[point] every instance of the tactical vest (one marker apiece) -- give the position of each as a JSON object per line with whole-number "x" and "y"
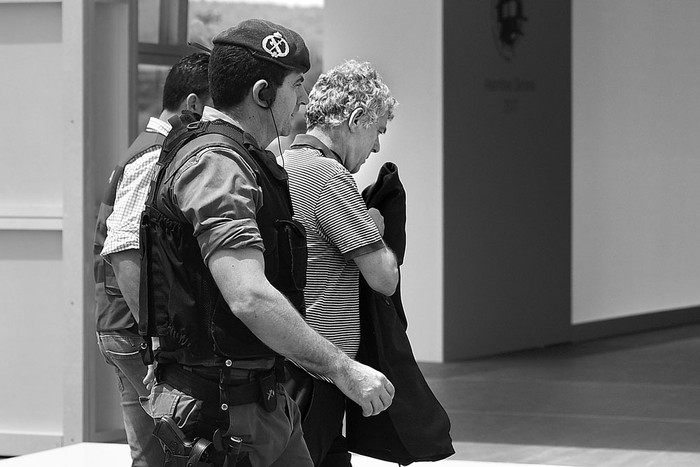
{"x": 180, "y": 302}
{"x": 111, "y": 310}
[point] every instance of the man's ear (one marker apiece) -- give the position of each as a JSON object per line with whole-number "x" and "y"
{"x": 262, "y": 94}
{"x": 354, "y": 120}
{"x": 194, "y": 104}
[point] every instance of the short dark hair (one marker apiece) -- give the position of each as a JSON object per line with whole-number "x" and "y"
{"x": 233, "y": 71}
{"x": 187, "y": 76}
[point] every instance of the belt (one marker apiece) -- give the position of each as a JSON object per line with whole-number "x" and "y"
{"x": 206, "y": 390}
{"x": 262, "y": 389}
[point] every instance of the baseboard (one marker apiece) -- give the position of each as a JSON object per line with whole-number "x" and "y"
{"x": 17, "y": 444}
{"x": 634, "y": 324}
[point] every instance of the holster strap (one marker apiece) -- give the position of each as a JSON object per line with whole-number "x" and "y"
{"x": 198, "y": 451}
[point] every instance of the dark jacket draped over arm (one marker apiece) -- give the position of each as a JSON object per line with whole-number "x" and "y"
{"x": 415, "y": 427}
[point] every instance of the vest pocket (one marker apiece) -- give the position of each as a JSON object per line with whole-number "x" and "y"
{"x": 292, "y": 254}
{"x": 111, "y": 285}
{"x": 271, "y": 254}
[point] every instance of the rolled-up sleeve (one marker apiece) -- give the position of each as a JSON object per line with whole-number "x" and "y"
{"x": 217, "y": 193}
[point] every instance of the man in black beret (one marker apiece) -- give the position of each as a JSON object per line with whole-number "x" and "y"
{"x": 224, "y": 267}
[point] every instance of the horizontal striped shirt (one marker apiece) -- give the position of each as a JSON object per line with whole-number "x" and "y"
{"x": 338, "y": 227}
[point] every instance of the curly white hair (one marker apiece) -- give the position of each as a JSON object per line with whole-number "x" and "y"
{"x": 341, "y": 90}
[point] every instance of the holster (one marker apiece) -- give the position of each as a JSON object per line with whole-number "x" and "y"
{"x": 223, "y": 451}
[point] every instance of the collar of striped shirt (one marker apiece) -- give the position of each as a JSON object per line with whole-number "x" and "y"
{"x": 304, "y": 140}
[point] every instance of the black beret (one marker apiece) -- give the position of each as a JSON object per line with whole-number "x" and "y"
{"x": 268, "y": 41}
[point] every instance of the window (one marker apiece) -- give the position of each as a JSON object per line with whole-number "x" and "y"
{"x": 165, "y": 26}
{"x": 162, "y": 40}
{"x": 151, "y": 79}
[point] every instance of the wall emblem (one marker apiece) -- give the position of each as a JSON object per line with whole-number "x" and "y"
{"x": 508, "y": 19}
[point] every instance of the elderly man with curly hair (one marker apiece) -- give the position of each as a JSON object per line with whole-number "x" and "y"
{"x": 349, "y": 108}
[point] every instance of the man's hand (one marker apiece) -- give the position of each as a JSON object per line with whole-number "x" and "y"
{"x": 378, "y": 219}
{"x": 150, "y": 377}
{"x": 127, "y": 267}
{"x": 367, "y": 387}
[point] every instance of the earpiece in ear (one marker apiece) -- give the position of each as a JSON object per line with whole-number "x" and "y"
{"x": 266, "y": 96}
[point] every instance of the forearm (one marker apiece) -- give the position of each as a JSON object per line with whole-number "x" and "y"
{"x": 127, "y": 268}
{"x": 380, "y": 270}
{"x": 274, "y": 321}
{"x": 281, "y": 327}
{"x": 269, "y": 315}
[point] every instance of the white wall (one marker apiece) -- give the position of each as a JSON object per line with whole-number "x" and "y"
{"x": 636, "y": 157}
{"x": 30, "y": 46}
{"x": 31, "y": 339}
{"x": 403, "y": 40}
{"x": 55, "y": 388}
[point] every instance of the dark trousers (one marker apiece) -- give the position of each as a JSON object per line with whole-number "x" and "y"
{"x": 322, "y": 407}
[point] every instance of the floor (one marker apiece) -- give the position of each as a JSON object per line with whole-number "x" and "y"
{"x": 627, "y": 401}
{"x": 117, "y": 455}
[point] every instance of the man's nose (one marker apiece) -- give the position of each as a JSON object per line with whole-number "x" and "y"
{"x": 302, "y": 96}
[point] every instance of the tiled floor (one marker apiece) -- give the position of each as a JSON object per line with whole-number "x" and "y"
{"x": 628, "y": 401}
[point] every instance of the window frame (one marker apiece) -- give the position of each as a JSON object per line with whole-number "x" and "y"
{"x": 171, "y": 46}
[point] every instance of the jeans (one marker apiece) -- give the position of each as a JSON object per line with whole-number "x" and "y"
{"x": 120, "y": 349}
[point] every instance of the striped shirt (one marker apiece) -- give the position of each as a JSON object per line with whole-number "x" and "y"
{"x": 132, "y": 190}
{"x": 338, "y": 227}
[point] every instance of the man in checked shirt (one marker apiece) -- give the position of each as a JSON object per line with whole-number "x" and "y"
{"x": 116, "y": 253}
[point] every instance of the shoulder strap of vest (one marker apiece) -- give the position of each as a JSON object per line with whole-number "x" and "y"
{"x": 184, "y": 135}
{"x": 250, "y": 152}
{"x": 144, "y": 142}
{"x": 201, "y": 130}
{"x": 149, "y": 139}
